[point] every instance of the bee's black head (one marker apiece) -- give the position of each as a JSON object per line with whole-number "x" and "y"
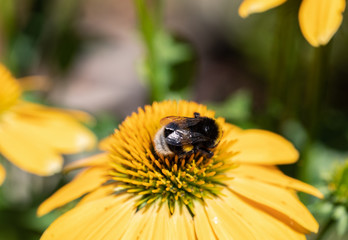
{"x": 207, "y": 127}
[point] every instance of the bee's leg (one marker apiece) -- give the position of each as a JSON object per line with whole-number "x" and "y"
{"x": 196, "y": 114}
{"x": 186, "y": 154}
{"x": 205, "y": 153}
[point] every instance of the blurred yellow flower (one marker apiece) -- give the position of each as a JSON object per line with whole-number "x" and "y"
{"x": 319, "y": 19}
{"x": 33, "y": 136}
{"x": 131, "y": 193}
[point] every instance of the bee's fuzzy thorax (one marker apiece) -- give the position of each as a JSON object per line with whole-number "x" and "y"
{"x": 160, "y": 145}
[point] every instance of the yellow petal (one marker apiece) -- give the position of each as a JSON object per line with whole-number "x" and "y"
{"x": 265, "y": 225}
{"x": 157, "y": 226}
{"x": 98, "y": 160}
{"x": 100, "y": 192}
{"x": 227, "y": 224}
{"x": 181, "y": 224}
{"x": 320, "y": 19}
{"x": 203, "y": 228}
{"x": 157, "y": 223}
{"x": 254, "y": 6}
{"x": 263, "y": 147}
{"x": 278, "y": 202}
{"x": 86, "y": 181}
{"x": 272, "y": 175}
{"x": 105, "y": 144}
{"x": 106, "y": 218}
{"x": 139, "y": 220}
{"x": 56, "y": 129}
{"x": 28, "y": 154}
{"x": 10, "y": 89}
{"x": 112, "y": 223}
{"x": 2, "y": 174}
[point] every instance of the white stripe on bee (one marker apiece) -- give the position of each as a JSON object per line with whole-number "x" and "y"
{"x": 160, "y": 144}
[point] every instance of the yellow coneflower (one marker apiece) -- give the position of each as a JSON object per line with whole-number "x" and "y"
{"x": 319, "y": 19}
{"x": 129, "y": 192}
{"x": 33, "y": 136}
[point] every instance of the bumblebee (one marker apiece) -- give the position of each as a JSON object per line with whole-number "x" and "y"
{"x": 184, "y": 136}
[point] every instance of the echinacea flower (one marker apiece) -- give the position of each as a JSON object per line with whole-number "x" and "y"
{"x": 129, "y": 192}
{"x": 33, "y": 136}
{"x": 319, "y": 19}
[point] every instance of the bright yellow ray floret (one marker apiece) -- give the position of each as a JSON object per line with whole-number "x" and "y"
{"x": 129, "y": 192}
{"x": 33, "y": 136}
{"x": 319, "y": 19}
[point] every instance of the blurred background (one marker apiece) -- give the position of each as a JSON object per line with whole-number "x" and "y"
{"x": 109, "y": 57}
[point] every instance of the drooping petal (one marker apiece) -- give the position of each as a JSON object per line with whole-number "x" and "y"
{"x": 106, "y": 218}
{"x": 181, "y": 223}
{"x": 262, "y": 147}
{"x": 139, "y": 220}
{"x": 158, "y": 226}
{"x": 100, "y": 192}
{"x": 254, "y": 6}
{"x": 278, "y": 202}
{"x": 56, "y": 129}
{"x": 222, "y": 220}
{"x": 272, "y": 175}
{"x": 84, "y": 182}
{"x": 203, "y": 228}
{"x": 2, "y": 174}
{"x": 112, "y": 224}
{"x": 29, "y": 155}
{"x": 320, "y": 19}
{"x": 265, "y": 225}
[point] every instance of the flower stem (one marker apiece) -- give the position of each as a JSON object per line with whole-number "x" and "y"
{"x": 314, "y": 103}
{"x": 150, "y": 24}
{"x": 283, "y": 81}
{"x": 315, "y": 87}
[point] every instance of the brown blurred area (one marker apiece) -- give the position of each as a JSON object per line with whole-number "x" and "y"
{"x": 104, "y": 76}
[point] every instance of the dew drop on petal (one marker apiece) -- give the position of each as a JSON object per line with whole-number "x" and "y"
{"x": 216, "y": 220}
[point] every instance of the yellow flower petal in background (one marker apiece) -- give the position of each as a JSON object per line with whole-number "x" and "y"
{"x": 2, "y": 174}
{"x": 10, "y": 90}
{"x": 33, "y": 136}
{"x": 69, "y": 135}
{"x": 137, "y": 194}
{"x": 263, "y": 147}
{"x": 28, "y": 154}
{"x": 320, "y": 19}
{"x": 254, "y": 6}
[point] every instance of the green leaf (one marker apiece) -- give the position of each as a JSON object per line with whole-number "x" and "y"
{"x": 342, "y": 225}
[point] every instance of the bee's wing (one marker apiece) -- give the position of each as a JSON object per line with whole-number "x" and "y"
{"x": 179, "y": 137}
{"x": 181, "y": 121}
{"x": 185, "y": 137}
